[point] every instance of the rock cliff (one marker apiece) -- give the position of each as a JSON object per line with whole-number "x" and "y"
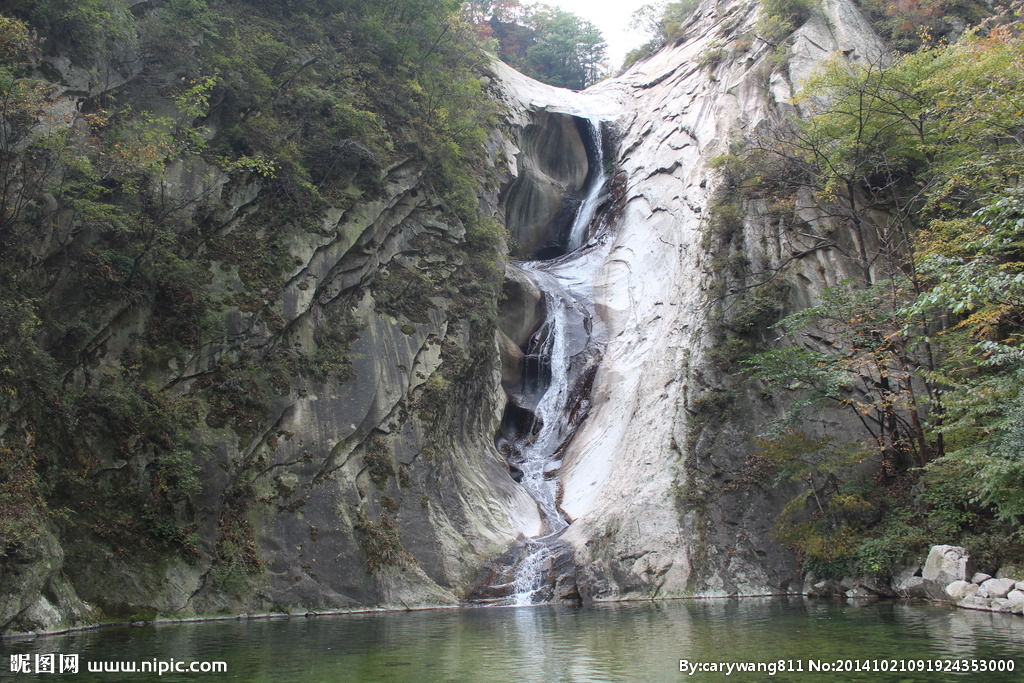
{"x": 657, "y": 480}
{"x": 377, "y": 482}
{"x": 340, "y": 406}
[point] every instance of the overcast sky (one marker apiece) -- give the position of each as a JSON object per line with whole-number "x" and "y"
{"x": 612, "y": 17}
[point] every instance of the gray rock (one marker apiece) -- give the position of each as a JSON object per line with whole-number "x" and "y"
{"x": 913, "y": 587}
{"x": 1010, "y": 572}
{"x": 975, "y": 602}
{"x": 522, "y": 306}
{"x": 552, "y": 169}
{"x": 860, "y": 593}
{"x": 821, "y": 588}
{"x": 945, "y": 564}
{"x": 1000, "y": 605}
{"x": 908, "y": 583}
{"x": 511, "y": 361}
{"x": 1016, "y": 600}
{"x": 980, "y": 578}
{"x": 998, "y": 588}
{"x": 957, "y": 590}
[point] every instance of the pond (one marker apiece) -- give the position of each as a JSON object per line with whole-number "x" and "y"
{"x": 789, "y": 639}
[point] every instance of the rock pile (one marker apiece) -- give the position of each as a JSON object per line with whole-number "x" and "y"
{"x": 945, "y": 578}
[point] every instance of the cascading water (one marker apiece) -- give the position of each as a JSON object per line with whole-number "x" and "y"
{"x": 588, "y": 208}
{"x": 564, "y": 349}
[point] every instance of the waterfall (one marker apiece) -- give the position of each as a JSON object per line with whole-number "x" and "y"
{"x": 564, "y": 345}
{"x": 588, "y": 208}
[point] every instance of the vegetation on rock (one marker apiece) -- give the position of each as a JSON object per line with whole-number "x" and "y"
{"x": 163, "y": 167}
{"x": 919, "y": 159}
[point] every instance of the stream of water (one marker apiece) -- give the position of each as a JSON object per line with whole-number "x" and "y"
{"x": 564, "y": 346}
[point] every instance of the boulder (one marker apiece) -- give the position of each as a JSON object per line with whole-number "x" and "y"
{"x": 975, "y": 602}
{"x": 1000, "y": 605}
{"x": 957, "y": 590}
{"x": 1016, "y": 600}
{"x": 945, "y": 564}
{"x": 980, "y": 577}
{"x": 998, "y": 588}
{"x": 821, "y": 588}
{"x": 522, "y": 306}
{"x": 861, "y": 593}
{"x": 907, "y": 582}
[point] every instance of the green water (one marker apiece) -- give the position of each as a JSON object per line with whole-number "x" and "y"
{"x": 612, "y": 642}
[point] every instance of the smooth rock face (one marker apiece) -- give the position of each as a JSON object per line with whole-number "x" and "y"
{"x": 522, "y": 307}
{"x": 552, "y": 169}
{"x": 945, "y": 564}
{"x": 980, "y": 577}
{"x": 649, "y": 479}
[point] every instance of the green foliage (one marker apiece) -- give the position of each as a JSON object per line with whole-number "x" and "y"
{"x": 22, "y": 507}
{"x": 333, "y": 336}
{"x": 838, "y": 523}
{"x": 237, "y": 556}
{"x": 896, "y": 541}
{"x": 81, "y": 28}
{"x": 378, "y": 463}
{"x": 546, "y": 43}
{"x": 433, "y": 400}
{"x": 380, "y": 543}
{"x": 925, "y": 348}
{"x": 664, "y": 22}
{"x": 779, "y": 18}
{"x": 135, "y": 304}
{"x": 910, "y": 24}
{"x": 406, "y": 292}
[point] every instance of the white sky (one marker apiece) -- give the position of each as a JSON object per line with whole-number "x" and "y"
{"x": 613, "y": 18}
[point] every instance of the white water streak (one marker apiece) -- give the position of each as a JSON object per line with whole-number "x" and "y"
{"x": 530, "y": 574}
{"x": 588, "y": 208}
{"x": 535, "y": 457}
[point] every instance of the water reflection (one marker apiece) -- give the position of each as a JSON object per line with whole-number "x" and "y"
{"x": 619, "y": 642}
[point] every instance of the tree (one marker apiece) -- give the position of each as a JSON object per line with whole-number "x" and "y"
{"x": 663, "y": 22}
{"x": 920, "y": 160}
{"x": 567, "y": 51}
{"x": 546, "y": 43}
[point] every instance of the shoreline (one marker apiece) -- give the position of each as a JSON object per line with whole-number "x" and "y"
{"x": 284, "y": 616}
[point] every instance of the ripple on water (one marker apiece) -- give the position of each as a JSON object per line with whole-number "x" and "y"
{"x": 610, "y": 642}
